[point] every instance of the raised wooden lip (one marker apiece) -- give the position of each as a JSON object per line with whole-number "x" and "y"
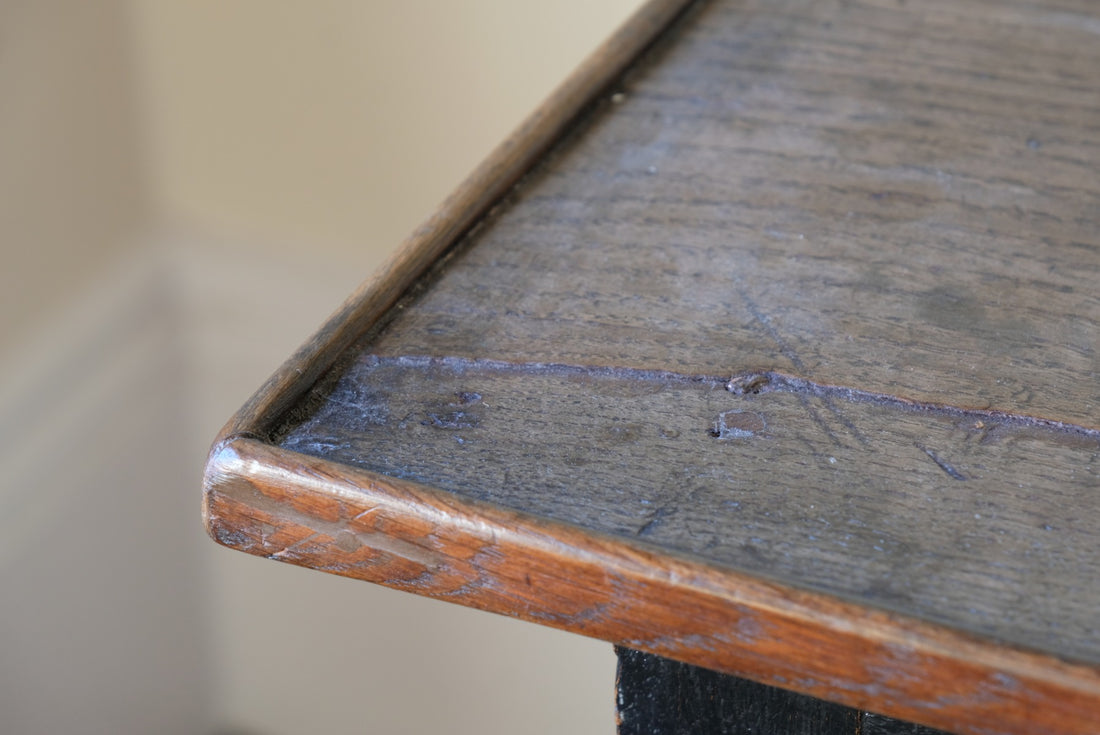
{"x": 619, "y": 590}
{"x": 319, "y": 514}
{"x": 481, "y": 190}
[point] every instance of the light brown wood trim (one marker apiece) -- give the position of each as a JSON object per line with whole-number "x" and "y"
{"x": 460, "y": 211}
{"x": 321, "y": 515}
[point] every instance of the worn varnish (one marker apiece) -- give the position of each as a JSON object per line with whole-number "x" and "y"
{"x": 781, "y": 361}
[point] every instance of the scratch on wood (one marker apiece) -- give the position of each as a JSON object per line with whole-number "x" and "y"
{"x": 791, "y": 354}
{"x": 347, "y": 535}
{"x": 762, "y": 382}
{"x": 762, "y": 319}
{"x": 654, "y": 519}
{"x": 816, "y": 418}
{"x": 842, "y": 418}
{"x": 461, "y": 365}
{"x": 943, "y": 464}
{"x": 288, "y": 550}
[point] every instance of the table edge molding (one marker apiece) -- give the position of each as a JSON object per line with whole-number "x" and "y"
{"x": 270, "y": 502}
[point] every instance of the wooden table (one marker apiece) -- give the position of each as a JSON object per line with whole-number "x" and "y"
{"x": 769, "y": 344}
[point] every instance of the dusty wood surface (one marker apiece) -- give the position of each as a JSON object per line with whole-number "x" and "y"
{"x": 810, "y": 295}
{"x": 656, "y": 696}
{"x": 979, "y": 522}
{"x": 901, "y": 198}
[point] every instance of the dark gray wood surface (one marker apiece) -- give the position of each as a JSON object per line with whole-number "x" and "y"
{"x": 882, "y": 221}
{"x": 959, "y": 518}
{"x": 656, "y": 696}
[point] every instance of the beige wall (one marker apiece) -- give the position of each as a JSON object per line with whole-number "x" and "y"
{"x": 294, "y": 146}
{"x": 71, "y": 176}
{"x": 186, "y": 189}
{"x": 100, "y": 613}
{"x": 336, "y": 126}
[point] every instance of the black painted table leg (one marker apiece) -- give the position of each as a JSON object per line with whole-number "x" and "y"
{"x": 657, "y": 696}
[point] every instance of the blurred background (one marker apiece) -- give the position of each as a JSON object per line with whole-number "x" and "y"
{"x": 187, "y": 189}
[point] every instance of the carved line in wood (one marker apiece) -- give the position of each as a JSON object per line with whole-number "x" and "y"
{"x": 746, "y": 382}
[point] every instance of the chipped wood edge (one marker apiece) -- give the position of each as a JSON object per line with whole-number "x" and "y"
{"x": 306, "y": 511}
{"x": 459, "y": 212}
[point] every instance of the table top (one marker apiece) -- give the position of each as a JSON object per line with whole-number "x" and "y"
{"x": 770, "y": 345}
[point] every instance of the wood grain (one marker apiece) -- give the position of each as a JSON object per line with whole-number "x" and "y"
{"x": 780, "y": 359}
{"x": 793, "y": 187}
